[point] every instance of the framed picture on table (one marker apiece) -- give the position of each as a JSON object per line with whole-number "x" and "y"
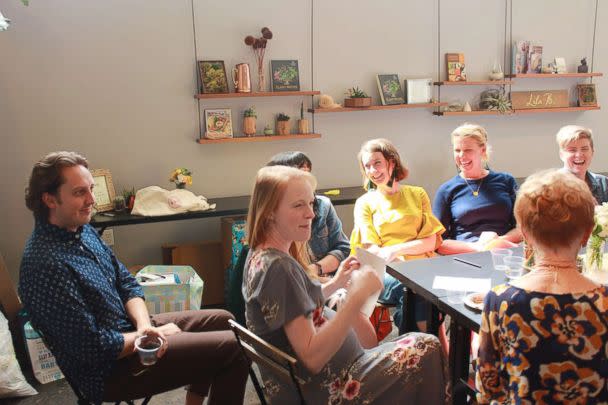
{"x": 104, "y": 190}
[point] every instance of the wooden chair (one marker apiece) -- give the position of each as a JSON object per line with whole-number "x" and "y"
{"x": 269, "y": 357}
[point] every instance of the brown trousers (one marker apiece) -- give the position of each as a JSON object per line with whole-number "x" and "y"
{"x": 204, "y": 355}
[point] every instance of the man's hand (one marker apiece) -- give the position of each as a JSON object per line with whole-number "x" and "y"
{"x": 162, "y": 332}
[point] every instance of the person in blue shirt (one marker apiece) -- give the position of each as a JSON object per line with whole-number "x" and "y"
{"x": 576, "y": 151}
{"x": 476, "y": 205}
{"x": 90, "y": 309}
{"x": 328, "y": 243}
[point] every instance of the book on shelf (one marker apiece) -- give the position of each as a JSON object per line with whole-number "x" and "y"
{"x": 535, "y": 59}
{"x": 390, "y": 90}
{"x": 218, "y": 123}
{"x": 520, "y": 56}
{"x": 284, "y": 75}
{"x": 455, "y": 67}
{"x": 418, "y": 91}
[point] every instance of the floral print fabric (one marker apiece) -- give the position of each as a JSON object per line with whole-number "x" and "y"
{"x": 539, "y": 348}
{"x": 410, "y": 369}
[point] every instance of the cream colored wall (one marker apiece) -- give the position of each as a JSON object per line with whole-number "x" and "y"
{"x": 114, "y": 80}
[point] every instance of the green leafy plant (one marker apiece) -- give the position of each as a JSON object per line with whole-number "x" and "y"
{"x": 128, "y": 193}
{"x": 356, "y": 92}
{"x": 250, "y": 112}
{"x": 282, "y": 117}
{"x": 495, "y": 99}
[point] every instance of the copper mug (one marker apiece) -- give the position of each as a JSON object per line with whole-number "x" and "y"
{"x": 241, "y": 78}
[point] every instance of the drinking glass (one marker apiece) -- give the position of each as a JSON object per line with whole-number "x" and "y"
{"x": 515, "y": 266}
{"x": 498, "y": 257}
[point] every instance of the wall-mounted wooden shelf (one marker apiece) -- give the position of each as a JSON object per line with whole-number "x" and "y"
{"x": 258, "y": 138}
{"x": 554, "y": 110}
{"x": 553, "y": 75}
{"x": 259, "y": 94}
{"x": 518, "y": 111}
{"x": 475, "y": 83}
{"x": 376, "y": 107}
{"x": 478, "y": 112}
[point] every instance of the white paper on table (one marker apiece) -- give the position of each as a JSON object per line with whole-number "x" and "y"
{"x": 377, "y": 263}
{"x": 462, "y": 284}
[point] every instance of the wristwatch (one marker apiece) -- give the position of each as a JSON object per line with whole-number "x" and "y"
{"x": 319, "y": 268}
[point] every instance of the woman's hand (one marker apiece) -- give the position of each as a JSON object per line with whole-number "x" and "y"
{"x": 387, "y": 253}
{"x": 364, "y": 283}
{"x": 345, "y": 271}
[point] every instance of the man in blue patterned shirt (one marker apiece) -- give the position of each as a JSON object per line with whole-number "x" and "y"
{"x": 90, "y": 309}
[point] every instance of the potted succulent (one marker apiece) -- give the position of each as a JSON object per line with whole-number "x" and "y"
{"x": 129, "y": 196}
{"x": 249, "y": 117}
{"x": 302, "y": 122}
{"x": 283, "y": 124}
{"x": 268, "y": 130}
{"x": 357, "y": 98}
{"x": 495, "y": 99}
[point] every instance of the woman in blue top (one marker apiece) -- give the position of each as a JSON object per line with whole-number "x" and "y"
{"x": 476, "y": 205}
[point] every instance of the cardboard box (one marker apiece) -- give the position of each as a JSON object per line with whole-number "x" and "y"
{"x": 206, "y": 259}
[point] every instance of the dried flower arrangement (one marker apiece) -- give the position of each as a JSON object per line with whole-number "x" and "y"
{"x": 258, "y": 45}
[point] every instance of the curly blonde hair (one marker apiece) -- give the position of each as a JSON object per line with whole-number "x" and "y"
{"x": 555, "y": 208}
{"x": 389, "y": 151}
{"x": 476, "y": 132}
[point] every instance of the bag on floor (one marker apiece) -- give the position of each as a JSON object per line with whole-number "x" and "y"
{"x": 381, "y": 320}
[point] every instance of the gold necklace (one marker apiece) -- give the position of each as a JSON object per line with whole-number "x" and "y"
{"x": 475, "y": 192}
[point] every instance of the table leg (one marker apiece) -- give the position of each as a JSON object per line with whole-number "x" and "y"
{"x": 432, "y": 319}
{"x": 460, "y": 347}
{"x": 408, "y": 320}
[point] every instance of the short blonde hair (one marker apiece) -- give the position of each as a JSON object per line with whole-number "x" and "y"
{"x": 571, "y": 133}
{"x": 269, "y": 187}
{"x": 555, "y": 208}
{"x": 475, "y": 131}
{"x": 389, "y": 151}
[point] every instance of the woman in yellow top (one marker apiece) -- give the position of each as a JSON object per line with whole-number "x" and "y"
{"x": 393, "y": 221}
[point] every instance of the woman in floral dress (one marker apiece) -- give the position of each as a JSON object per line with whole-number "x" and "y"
{"x": 284, "y": 306}
{"x": 544, "y": 337}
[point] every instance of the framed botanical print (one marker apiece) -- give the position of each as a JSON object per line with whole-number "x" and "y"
{"x": 104, "y": 190}
{"x": 218, "y": 123}
{"x": 586, "y": 95}
{"x": 213, "y": 76}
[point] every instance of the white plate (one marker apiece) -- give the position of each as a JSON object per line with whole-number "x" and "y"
{"x": 470, "y": 300}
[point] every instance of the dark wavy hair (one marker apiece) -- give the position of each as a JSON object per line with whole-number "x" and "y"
{"x": 292, "y": 159}
{"x": 389, "y": 151}
{"x": 47, "y": 177}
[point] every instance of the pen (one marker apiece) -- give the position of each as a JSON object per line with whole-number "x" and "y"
{"x": 467, "y": 262}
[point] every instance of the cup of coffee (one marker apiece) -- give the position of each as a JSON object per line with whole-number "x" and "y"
{"x": 147, "y": 348}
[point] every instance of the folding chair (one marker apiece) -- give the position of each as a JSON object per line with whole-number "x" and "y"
{"x": 268, "y": 356}
{"x": 82, "y": 400}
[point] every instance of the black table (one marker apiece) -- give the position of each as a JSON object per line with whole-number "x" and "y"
{"x": 418, "y": 276}
{"x": 225, "y": 206}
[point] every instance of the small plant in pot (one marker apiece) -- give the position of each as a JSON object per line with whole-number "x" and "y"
{"x": 357, "y": 98}
{"x": 495, "y": 99}
{"x": 249, "y": 117}
{"x": 283, "y": 124}
{"x": 302, "y": 122}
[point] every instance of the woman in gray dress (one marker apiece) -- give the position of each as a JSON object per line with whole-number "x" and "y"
{"x": 284, "y": 306}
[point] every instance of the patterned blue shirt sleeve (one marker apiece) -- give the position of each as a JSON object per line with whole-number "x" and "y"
{"x": 338, "y": 242}
{"x": 65, "y": 320}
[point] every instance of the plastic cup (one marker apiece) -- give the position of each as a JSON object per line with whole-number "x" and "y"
{"x": 515, "y": 266}
{"x": 147, "y": 348}
{"x": 455, "y": 297}
{"x": 498, "y": 257}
